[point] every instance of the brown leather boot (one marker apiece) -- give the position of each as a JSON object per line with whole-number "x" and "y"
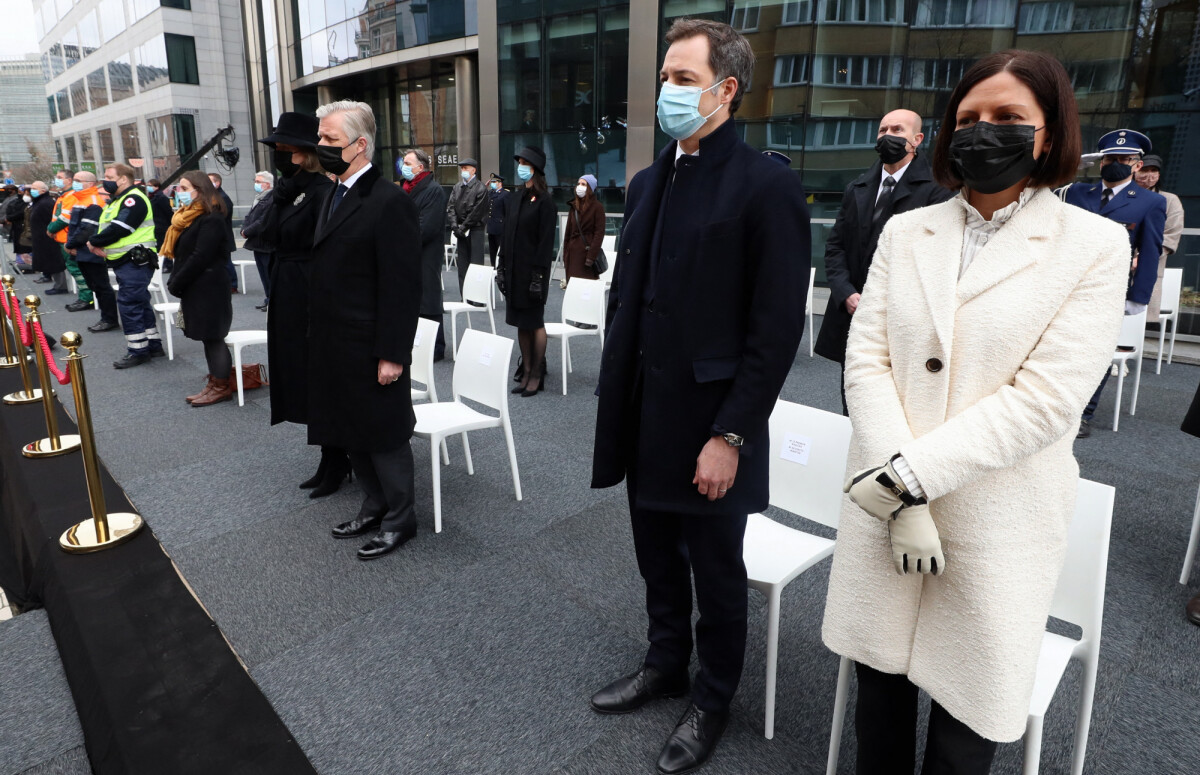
{"x": 207, "y": 387}
{"x": 221, "y": 390}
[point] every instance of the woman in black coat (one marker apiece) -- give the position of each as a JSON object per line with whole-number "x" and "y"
{"x": 526, "y": 254}
{"x": 196, "y": 242}
{"x": 291, "y": 222}
{"x": 47, "y": 256}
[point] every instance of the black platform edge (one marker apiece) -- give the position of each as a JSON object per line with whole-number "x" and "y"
{"x": 157, "y": 687}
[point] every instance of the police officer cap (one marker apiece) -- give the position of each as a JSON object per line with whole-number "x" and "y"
{"x": 1123, "y": 142}
{"x": 779, "y": 157}
{"x": 1152, "y": 160}
{"x": 494, "y": 176}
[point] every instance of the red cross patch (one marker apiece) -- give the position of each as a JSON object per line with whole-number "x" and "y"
{"x": 129, "y": 202}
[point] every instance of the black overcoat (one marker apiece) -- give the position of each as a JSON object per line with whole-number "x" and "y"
{"x": 198, "y": 278}
{"x": 364, "y": 299}
{"x": 291, "y": 226}
{"x": 430, "y": 199}
{"x": 710, "y": 349}
{"x": 47, "y": 254}
{"x": 527, "y": 245}
{"x": 851, "y": 243}
{"x": 160, "y": 206}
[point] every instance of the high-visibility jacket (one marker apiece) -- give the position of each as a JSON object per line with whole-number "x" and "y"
{"x": 141, "y": 233}
{"x": 62, "y": 216}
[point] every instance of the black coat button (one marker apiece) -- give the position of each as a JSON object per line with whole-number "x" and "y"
{"x": 934, "y": 365}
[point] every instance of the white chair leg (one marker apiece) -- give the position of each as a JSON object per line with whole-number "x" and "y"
{"x": 811, "y": 335}
{"x": 1120, "y": 389}
{"x": 1193, "y": 542}
{"x": 467, "y": 452}
{"x": 1174, "y": 328}
{"x": 1162, "y": 331}
{"x": 1033, "y": 745}
{"x": 512, "y": 457}
{"x": 1083, "y": 722}
{"x": 563, "y": 359}
{"x": 492, "y": 316}
{"x": 168, "y": 326}
{"x": 1137, "y": 383}
{"x": 772, "y": 659}
{"x": 839, "y": 715}
{"x": 237, "y": 373}
{"x": 454, "y": 335}
{"x": 567, "y": 344}
{"x": 445, "y": 453}
{"x": 437, "y": 485}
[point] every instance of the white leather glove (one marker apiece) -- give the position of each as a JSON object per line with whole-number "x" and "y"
{"x": 916, "y": 547}
{"x": 879, "y": 491}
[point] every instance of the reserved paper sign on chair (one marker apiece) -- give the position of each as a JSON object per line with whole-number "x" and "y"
{"x": 485, "y": 356}
{"x": 796, "y": 448}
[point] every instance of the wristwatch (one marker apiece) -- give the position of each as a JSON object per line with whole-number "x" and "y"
{"x": 733, "y": 440}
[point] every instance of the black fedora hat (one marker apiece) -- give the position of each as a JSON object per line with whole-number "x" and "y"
{"x": 298, "y": 129}
{"x": 534, "y": 156}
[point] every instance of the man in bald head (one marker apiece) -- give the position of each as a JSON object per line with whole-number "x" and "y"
{"x": 899, "y": 181}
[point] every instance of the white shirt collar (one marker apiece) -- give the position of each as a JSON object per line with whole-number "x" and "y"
{"x": 1119, "y": 187}
{"x": 350, "y": 181}
{"x": 679, "y": 152}
{"x": 884, "y": 174}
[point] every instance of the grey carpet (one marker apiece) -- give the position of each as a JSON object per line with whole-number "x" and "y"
{"x": 475, "y": 650}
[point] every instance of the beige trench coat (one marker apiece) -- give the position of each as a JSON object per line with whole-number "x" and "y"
{"x": 979, "y": 382}
{"x": 1172, "y": 233}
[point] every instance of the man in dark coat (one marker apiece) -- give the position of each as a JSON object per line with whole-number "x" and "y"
{"x": 254, "y": 227}
{"x": 430, "y": 200}
{"x": 498, "y": 201}
{"x": 365, "y": 297}
{"x": 466, "y": 213}
{"x": 705, "y": 317}
{"x": 900, "y": 181}
{"x": 231, "y": 243}
{"x": 47, "y": 256}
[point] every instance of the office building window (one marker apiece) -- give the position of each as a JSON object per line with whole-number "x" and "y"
{"x": 107, "y": 154}
{"x": 152, "y": 64}
{"x": 120, "y": 78}
{"x": 70, "y": 47}
{"x": 50, "y": 107}
{"x": 797, "y": 11}
{"x": 183, "y": 5}
{"x": 56, "y": 60}
{"x": 79, "y": 97}
{"x": 965, "y": 13}
{"x": 861, "y": 11}
{"x": 1066, "y": 16}
{"x": 140, "y": 9}
{"x": 89, "y": 34}
{"x": 840, "y": 133}
{"x": 97, "y": 88}
{"x": 520, "y": 77}
{"x": 745, "y": 15}
{"x": 172, "y": 138}
{"x": 791, "y": 69}
{"x": 63, "y": 101}
{"x": 936, "y": 74}
{"x": 1093, "y": 77}
{"x": 49, "y": 19}
{"x": 130, "y": 145}
{"x": 181, "y": 58}
{"x": 869, "y": 71}
{"x": 87, "y": 149}
{"x": 112, "y": 18}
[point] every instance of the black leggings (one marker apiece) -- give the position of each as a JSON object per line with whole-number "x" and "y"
{"x": 220, "y": 361}
{"x": 886, "y": 723}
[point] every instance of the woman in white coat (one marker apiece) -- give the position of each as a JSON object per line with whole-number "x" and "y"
{"x": 984, "y": 324}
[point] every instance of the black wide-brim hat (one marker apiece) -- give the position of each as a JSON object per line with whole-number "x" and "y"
{"x": 534, "y": 156}
{"x": 298, "y": 129}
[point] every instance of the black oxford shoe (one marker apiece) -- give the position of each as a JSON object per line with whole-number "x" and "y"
{"x": 360, "y": 525}
{"x": 692, "y": 743}
{"x": 130, "y": 360}
{"x": 627, "y": 694}
{"x": 385, "y": 542}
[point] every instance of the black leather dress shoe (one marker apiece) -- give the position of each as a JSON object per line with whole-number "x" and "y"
{"x": 101, "y": 326}
{"x": 79, "y": 306}
{"x": 692, "y": 743}
{"x": 1193, "y": 610}
{"x": 1085, "y": 429}
{"x": 627, "y": 694}
{"x": 360, "y": 525}
{"x": 129, "y": 361}
{"x": 385, "y": 542}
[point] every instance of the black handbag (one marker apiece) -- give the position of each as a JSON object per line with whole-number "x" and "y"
{"x": 600, "y": 262}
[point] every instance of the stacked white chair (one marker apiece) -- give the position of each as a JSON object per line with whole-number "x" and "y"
{"x": 422, "y": 360}
{"x": 1078, "y": 600}
{"x": 1130, "y": 344}
{"x": 582, "y": 303}
{"x": 481, "y": 374}
{"x": 1172, "y": 287}
{"x": 807, "y": 465}
{"x": 476, "y": 297}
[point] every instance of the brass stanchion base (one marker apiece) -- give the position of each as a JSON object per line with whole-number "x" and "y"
{"x": 21, "y": 397}
{"x": 43, "y": 448}
{"x": 82, "y": 539}
{"x": 9, "y": 363}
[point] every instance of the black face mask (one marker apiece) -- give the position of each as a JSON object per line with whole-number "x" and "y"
{"x": 283, "y": 163}
{"x": 989, "y": 158}
{"x": 110, "y": 187}
{"x": 331, "y": 159}
{"x": 1115, "y": 172}
{"x": 891, "y": 148}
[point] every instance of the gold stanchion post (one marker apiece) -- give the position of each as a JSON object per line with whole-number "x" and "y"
{"x": 30, "y": 394}
{"x": 9, "y": 360}
{"x": 53, "y": 445}
{"x": 103, "y": 529}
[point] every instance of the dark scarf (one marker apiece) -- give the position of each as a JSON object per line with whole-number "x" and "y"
{"x": 409, "y": 185}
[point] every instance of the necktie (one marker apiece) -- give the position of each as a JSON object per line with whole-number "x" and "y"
{"x": 337, "y": 197}
{"x": 1105, "y": 197}
{"x": 885, "y": 197}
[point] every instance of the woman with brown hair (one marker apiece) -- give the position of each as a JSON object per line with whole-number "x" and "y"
{"x": 197, "y": 243}
{"x": 984, "y": 326}
{"x": 585, "y": 231}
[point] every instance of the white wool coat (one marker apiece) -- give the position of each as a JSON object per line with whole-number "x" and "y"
{"x": 1023, "y": 339}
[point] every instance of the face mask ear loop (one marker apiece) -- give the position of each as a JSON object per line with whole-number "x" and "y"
{"x": 710, "y": 88}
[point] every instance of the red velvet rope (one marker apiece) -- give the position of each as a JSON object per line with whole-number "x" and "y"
{"x": 4, "y": 301}
{"x": 19, "y": 320}
{"x": 64, "y": 378}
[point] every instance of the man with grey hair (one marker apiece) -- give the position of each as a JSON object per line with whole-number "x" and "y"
{"x": 467, "y": 213}
{"x": 430, "y": 199}
{"x": 705, "y": 317}
{"x": 255, "y": 230}
{"x": 364, "y": 299}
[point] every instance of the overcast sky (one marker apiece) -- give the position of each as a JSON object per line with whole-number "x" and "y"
{"x": 17, "y": 34}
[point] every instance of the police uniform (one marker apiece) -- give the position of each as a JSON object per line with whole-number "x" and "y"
{"x": 125, "y": 224}
{"x": 1143, "y": 214}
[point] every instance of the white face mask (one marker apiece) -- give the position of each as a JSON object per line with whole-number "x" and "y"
{"x": 581, "y": 191}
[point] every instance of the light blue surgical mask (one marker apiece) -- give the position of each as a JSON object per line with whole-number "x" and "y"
{"x": 59, "y": 183}
{"x": 524, "y": 171}
{"x": 466, "y": 176}
{"x": 77, "y": 186}
{"x": 258, "y": 188}
{"x": 679, "y": 109}
{"x": 151, "y": 189}
{"x": 183, "y": 198}
{"x": 33, "y": 192}
{"x": 407, "y": 172}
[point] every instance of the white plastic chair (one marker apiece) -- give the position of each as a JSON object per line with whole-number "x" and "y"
{"x": 1172, "y": 286}
{"x": 164, "y": 308}
{"x": 476, "y": 297}
{"x": 807, "y": 466}
{"x": 450, "y": 255}
{"x": 239, "y": 340}
{"x": 582, "y": 303}
{"x": 1193, "y": 542}
{"x": 1130, "y": 344}
{"x": 422, "y": 360}
{"x": 481, "y": 375}
{"x": 607, "y": 276}
{"x": 1078, "y": 600}
{"x": 812, "y": 335}
{"x": 241, "y": 264}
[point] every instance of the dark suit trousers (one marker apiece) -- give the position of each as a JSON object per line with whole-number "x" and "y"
{"x": 1089, "y": 411}
{"x": 670, "y": 549}
{"x": 95, "y": 274}
{"x": 439, "y": 347}
{"x": 885, "y": 721}
{"x": 470, "y": 251}
{"x": 386, "y": 479}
